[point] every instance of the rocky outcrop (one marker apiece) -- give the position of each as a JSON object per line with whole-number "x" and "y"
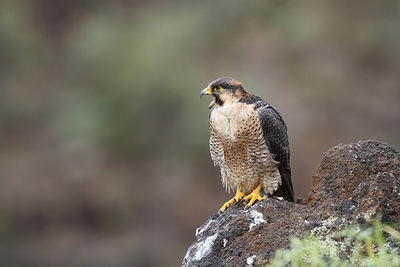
{"x": 354, "y": 183}
{"x": 366, "y": 173}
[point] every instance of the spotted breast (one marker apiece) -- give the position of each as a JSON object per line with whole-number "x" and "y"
{"x": 238, "y": 147}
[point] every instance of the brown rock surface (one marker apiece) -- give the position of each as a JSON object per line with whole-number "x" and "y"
{"x": 366, "y": 172}
{"x": 354, "y": 182}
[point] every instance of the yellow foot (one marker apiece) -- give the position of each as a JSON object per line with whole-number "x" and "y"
{"x": 253, "y": 196}
{"x": 238, "y": 196}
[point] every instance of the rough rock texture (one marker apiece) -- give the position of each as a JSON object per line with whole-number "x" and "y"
{"x": 367, "y": 173}
{"x": 238, "y": 237}
{"x": 353, "y": 183}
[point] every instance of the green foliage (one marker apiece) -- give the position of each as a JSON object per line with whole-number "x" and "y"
{"x": 377, "y": 245}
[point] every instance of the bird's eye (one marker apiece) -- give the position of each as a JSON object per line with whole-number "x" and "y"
{"x": 219, "y": 88}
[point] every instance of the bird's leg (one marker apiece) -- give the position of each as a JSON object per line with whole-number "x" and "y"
{"x": 253, "y": 196}
{"x": 238, "y": 196}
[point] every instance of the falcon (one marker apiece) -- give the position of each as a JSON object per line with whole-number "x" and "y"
{"x": 248, "y": 142}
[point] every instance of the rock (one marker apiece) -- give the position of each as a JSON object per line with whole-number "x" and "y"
{"x": 367, "y": 173}
{"x": 353, "y": 183}
{"x": 249, "y": 237}
{"x": 240, "y": 236}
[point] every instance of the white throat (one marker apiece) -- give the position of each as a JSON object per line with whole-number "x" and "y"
{"x": 229, "y": 118}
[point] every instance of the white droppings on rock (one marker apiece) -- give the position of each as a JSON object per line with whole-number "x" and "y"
{"x": 204, "y": 247}
{"x": 257, "y": 218}
{"x": 280, "y": 198}
{"x": 250, "y": 260}
{"x": 199, "y": 250}
{"x": 225, "y": 242}
{"x": 200, "y": 230}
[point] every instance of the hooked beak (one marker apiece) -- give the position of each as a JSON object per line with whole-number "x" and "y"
{"x": 205, "y": 91}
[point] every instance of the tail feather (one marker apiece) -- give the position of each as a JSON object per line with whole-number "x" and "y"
{"x": 285, "y": 190}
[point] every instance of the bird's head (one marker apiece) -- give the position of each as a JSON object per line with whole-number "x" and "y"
{"x": 224, "y": 90}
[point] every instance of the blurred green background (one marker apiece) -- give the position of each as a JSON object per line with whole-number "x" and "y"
{"x": 104, "y": 156}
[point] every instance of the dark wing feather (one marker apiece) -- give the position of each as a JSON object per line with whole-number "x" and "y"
{"x": 276, "y": 138}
